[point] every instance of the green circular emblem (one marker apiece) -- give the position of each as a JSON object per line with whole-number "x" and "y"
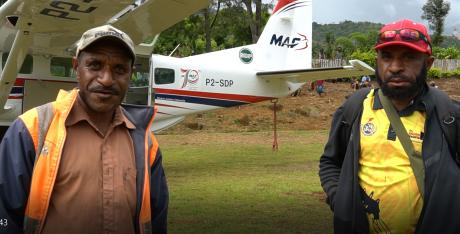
{"x": 246, "y": 55}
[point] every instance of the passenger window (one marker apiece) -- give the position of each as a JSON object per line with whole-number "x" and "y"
{"x": 141, "y": 74}
{"x": 61, "y": 67}
{"x": 26, "y": 67}
{"x": 164, "y": 76}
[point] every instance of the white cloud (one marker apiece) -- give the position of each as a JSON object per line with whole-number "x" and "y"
{"x": 378, "y": 11}
{"x": 390, "y": 10}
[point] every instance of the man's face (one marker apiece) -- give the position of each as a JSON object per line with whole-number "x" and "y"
{"x": 103, "y": 72}
{"x": 401, "y": 71}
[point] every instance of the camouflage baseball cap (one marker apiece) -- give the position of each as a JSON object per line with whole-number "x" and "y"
{"x": 105, "y": 32}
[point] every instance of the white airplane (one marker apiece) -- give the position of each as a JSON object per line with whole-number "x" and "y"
{"x": 37, "y": 40}
{"x": 276, "y": 66}
{"x": 43, "y": 35}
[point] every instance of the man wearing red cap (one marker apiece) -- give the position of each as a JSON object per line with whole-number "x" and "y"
{"x": 389, "y": 165}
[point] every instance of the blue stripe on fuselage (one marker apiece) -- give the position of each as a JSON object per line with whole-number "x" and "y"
{"x": 17, "y": 90}
{"x": 199, "y": 100}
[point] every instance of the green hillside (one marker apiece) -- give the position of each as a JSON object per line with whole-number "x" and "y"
{"x": 342, "y": 39}
{"x": 342, "y": 29}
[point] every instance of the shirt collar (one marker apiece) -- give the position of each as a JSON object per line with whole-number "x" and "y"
{"x": 417, "y": 104}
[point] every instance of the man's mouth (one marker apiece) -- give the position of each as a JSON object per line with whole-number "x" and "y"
{"x": 398, "y": 81}
{"x": 104, "y": 93}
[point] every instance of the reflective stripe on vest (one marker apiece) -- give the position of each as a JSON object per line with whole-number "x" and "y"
{"x": 45, "y": 115}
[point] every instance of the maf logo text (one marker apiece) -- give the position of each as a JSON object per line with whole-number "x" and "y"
{"x": 295, "y": 42}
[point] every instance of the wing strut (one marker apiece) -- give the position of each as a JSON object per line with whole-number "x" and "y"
{"x": 13, "y": 64}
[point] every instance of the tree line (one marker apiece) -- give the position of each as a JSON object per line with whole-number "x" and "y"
{"x": 224, "y": 24}
{"x": 232, "y": 23}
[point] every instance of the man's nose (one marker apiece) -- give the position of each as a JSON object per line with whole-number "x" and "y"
{"x": 105, "y": 76}
{"x": 396, "y": 66}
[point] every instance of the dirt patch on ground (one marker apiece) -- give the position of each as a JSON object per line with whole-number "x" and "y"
{"x": 321, "y": 196}
{"x": 199, "y": 138}
{"x": 308, "y": 111}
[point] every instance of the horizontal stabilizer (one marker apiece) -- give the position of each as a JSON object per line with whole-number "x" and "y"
{"x": 356, "y": 68}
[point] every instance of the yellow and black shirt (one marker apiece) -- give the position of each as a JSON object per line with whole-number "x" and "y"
{"x": 394, "y": 202}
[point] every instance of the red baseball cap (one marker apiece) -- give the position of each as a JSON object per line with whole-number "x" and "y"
{"x": 422, "y": 44}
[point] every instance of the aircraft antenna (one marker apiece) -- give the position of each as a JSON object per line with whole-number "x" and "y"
{"x": 172, "y": 52}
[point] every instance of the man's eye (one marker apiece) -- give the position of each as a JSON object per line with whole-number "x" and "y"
{"x": 120, "y": 69}
{"x": 411, "y": 56}
{"x": 385, "y": 56}
{"x": 94, "y": 66}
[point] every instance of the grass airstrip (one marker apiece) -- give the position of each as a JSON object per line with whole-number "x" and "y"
{"x": 235, "y": 183}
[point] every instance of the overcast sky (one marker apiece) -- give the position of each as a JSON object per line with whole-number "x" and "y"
{"x": 378, "y": 11}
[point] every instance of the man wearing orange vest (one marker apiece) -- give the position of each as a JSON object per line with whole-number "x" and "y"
{"x": 85, "y": 163}
{"x": 398, "y": 175}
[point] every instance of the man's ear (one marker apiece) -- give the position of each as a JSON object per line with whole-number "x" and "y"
{"x": 429, "y": 62}
{"x": 75, "y": 65}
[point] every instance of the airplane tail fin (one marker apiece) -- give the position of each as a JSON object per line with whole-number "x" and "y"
{"x": 286, "y": 40}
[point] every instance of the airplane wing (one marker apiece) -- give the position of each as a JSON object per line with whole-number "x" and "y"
{"x": 57, "y": 25}
{"x": 51, "y": 28}
{"x": 356, "y": 68}
{"x": 140, "y": 23}
{"x": 54, "y": 26}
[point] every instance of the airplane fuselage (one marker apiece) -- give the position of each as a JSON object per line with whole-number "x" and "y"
{"x": 179, "y": 86}
{"x": 190, "y": 85}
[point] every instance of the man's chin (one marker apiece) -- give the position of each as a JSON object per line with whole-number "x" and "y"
{"x": 98, "y": 106}
{"x": 101, "y": 109}
{"x": 399, "y": 92}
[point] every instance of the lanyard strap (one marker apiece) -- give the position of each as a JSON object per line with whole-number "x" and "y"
{"x": 415, "y": 158}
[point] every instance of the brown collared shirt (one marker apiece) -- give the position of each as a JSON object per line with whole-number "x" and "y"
{"x": 95, "y": 187}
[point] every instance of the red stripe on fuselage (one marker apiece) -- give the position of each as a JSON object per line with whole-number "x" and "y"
{"x": 223, "y": 96}
{"x": 20, "y": 81}
{"x": 15, "y": 97}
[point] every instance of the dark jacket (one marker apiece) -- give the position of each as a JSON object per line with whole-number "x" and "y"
{"x": 339, "y": 168}
{"x": 26, "y": 177}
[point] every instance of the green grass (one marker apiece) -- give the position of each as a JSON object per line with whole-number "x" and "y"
{"x": 223, "y": 184}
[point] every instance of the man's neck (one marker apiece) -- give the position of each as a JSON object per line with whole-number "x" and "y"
{"x": 401, "y": 104}
{"x": 102, "y": 120}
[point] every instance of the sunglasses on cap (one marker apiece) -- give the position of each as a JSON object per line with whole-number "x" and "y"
{"x": 410, "y": 35}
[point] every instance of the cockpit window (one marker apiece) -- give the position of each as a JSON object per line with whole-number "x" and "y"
{"x": 164, "y": 76}
{"x": 61, "y": 67}
{"x": 141, "y": 74}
